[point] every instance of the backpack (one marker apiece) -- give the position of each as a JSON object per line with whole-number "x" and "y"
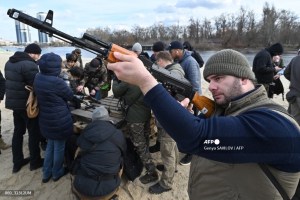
{"x": 198, "y": 58}
{"x": 133, "y": 165}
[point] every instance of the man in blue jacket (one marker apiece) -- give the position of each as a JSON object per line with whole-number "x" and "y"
{"x": 248, "y": 136}
{"x": 20, "y": 70}
{"x": 192, "y": 73}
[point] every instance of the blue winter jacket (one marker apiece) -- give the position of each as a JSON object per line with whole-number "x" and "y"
{"x": 52, "y": 92}
{"x": 192, "y": 71}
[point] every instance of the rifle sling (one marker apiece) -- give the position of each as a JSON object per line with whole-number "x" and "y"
{"x": 264, "y": 166}
{"x": 274, "y": 181}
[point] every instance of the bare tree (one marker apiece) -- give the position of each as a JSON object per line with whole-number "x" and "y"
{"x": 103, "y": 34}
{"x": 192, "y": 29}
{"x": 163, "y": 33}
{"x": 207, "y": 29}
{"x": 241, "y": 26}
{"x": 251, "y": 29}
{"x": 123, "y": 38}
{"x": 287, "y": 23}
{"x": 226, "y": 30}
{"x": 139, "y": 33}
{"x": 153, "y": 31}
{"x": 174, "y": 32}
{"x": 268, "y": 29}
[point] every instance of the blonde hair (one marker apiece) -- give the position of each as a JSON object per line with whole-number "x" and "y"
{"x": 164, "y": 55}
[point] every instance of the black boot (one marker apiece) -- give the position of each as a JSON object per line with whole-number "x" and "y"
{"x": 158, "y": 189}
{"x": 186, "y": 160}
{"x": 149, "y": 177}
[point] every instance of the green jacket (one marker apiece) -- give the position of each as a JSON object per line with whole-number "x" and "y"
{"x": 133, "y": 97}
{"x": 176, "y": 68}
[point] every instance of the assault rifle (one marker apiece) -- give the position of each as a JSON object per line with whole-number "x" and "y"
{"x": 178, "y": 87}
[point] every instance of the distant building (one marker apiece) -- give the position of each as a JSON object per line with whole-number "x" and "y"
{"x": 23, "y": 34}
{"x": 4, "y": 42}
{"x": 43, "y": 37}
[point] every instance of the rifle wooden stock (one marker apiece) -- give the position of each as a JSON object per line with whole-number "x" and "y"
{"x": 204, "y": 104}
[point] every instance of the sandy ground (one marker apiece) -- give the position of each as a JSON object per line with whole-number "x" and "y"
{"x": 32, "y": 180}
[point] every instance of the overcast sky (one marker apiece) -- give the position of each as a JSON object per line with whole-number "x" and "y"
{"x": 74, "y": 17}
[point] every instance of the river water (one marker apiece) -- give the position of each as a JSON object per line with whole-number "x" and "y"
{"x": 62, "y": 51}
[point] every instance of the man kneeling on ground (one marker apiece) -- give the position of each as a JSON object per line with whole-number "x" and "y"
{"x": 98, "y": 165}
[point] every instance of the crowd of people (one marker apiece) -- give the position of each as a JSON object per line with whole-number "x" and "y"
{"x": 263, "y": 135}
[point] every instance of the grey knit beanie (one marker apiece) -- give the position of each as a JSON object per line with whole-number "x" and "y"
{"x": 100, "y": 113}
{"x": 228, "y": 62}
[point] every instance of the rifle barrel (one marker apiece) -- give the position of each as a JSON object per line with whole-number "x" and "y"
{"x": 48, "y": 29}
{"x": 95, "y": 40}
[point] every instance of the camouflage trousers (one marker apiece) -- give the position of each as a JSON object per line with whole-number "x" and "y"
{"x": 169, "y": 156}
{"x": 139, "y": 135}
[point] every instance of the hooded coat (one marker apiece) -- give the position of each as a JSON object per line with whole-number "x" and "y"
{"x": 105, "y": 147}
{"x": 53, "y": 93}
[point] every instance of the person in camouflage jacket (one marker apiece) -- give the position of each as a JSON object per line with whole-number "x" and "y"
{"x": 95, "y": 78}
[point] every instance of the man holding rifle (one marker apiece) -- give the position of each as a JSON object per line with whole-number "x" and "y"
{"x": 248, "y": 136}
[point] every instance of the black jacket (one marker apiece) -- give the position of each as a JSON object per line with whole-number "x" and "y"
{"x": 262, "y": 67}
{"x": 2, "y": 86}
{"x": 20, "y": 70}
{"x": 104, "y": 146}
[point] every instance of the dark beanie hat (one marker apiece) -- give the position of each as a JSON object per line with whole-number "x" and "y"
{"x": 275, "y": 49}
{"x": 228, "y": 62}
{"x": 158, "y": 46}
{"x": 94, "y": 64}
{"x": 33, "y": 48}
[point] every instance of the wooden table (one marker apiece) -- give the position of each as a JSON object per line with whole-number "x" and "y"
{"x": 83, "y": 116}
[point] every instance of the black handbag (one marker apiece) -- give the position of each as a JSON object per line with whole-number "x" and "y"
{"x": 276, "y": 87}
